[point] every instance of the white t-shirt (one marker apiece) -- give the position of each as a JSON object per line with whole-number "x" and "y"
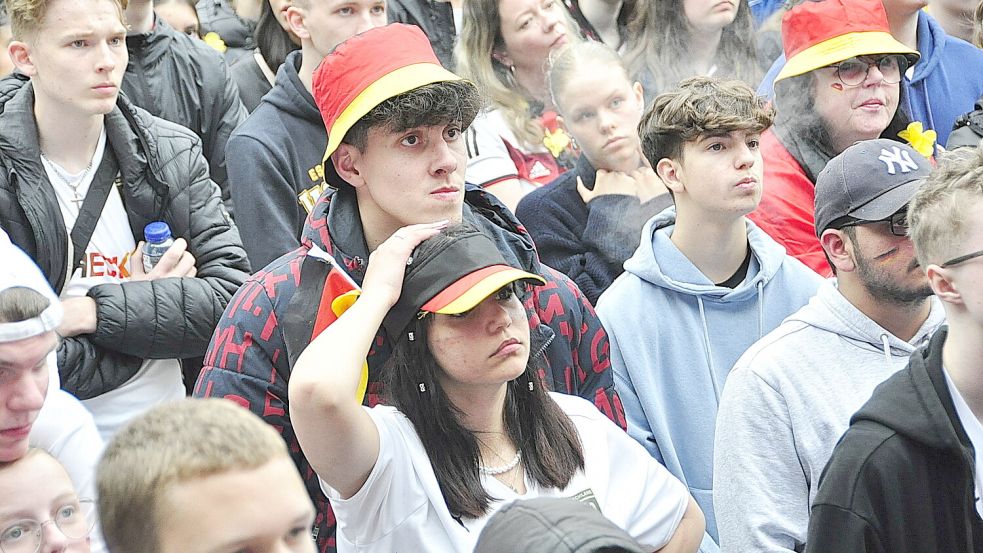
{"x": 400, "y": 507}
{"x": 495, "y": 155}
{"x": 107, "y": 261}
{"x": 975, "y": 432}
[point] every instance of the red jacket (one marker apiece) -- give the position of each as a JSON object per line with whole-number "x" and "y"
{"x": 787, "y": 207}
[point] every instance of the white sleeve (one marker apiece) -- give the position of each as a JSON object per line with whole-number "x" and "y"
{"x": 760, "y": 492}
{"x": 489, "y": 161}
{"x": 65, "y": 429}
{"x": 393, "y": 490}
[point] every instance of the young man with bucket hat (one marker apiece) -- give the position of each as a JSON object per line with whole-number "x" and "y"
{"x": 396, "y": 156}
{"x": 790, "y": 396}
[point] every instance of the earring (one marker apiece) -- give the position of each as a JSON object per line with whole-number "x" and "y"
{"x": 423, "y": 388}
{"x": 510, "y": 78}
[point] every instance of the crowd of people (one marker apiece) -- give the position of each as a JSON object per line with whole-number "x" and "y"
{"x": 491, "y": 275}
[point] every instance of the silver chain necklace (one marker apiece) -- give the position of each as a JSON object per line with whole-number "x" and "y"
{"x": 64, "y": 177}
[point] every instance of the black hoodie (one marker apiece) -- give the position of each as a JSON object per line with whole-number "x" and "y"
{"x": 901, "y": 478}
{"x": 275, "y": 169}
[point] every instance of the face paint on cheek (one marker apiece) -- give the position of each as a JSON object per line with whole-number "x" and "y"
{"x": 837, "y": 87}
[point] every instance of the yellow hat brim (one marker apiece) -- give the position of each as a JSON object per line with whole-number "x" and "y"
{"x": 843, "y": 47}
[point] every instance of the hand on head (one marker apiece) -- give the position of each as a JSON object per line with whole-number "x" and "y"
{"x": 387, "y": 264}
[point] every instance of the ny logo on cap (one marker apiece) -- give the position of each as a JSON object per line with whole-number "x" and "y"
{"x": 897, "y": 156}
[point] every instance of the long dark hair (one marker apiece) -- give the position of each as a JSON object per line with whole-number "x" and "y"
{"x": 550, "y": 446}
{"x": 273, "y": 42}
{"x": 658, "y": 39}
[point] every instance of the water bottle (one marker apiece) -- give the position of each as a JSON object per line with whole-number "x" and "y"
{"x": 159, "y": 240}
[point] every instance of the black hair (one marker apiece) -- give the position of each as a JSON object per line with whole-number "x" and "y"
{"x": 273, "y": 42}
{"x": 541, "y": 431}
{"x": 432, "y": 104}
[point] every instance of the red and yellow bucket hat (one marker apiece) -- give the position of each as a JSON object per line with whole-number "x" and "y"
{"x": 368, "y": 69}
{"x": 817, "y": 33}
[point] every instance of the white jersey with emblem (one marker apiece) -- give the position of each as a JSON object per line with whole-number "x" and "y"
{"x": 107, "y": 261}
{"x": 400, "y": 507}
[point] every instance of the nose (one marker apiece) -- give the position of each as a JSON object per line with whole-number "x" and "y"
{"x": 605, "y": 122}
{"x": 28, "y": 393}
{"x": 53, "y": 540}
{"x": 874, "y": 75}
{"x": 107, "y": 60}
{"x": 367, "y": 21}
{"x": 498, "y": 315}
{"x": 551, "y": 17}
{"x": 744, "y": 156}
{"x": 444, "y": 160}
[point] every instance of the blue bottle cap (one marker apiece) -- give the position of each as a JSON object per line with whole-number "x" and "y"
{"x": 157, "y": 232}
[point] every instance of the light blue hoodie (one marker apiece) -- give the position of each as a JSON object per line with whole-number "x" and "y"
{"x": 675, "y": 336}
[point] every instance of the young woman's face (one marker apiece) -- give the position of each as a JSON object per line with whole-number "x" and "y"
{"x": 601, "y": 108}
{"x": 37, "y": 491}
{"x": 530, "y": 30}
{"x": 710, "y": 15}
{"x": 487, "y": 346}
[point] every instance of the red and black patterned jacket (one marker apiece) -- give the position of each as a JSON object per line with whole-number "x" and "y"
{"x": 271, "y": 318}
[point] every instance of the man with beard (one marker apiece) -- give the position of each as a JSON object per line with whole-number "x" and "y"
{"x": 790, "y": 396}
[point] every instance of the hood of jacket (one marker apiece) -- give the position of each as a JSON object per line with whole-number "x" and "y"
{"x": 829, "y": 310}
{"x": 929, "y": 416}
{"x": 659, "y": 262}
{"x": 289, "y": 95}
{"x": 931, "y": 43}
{"x": 559, "y": 525}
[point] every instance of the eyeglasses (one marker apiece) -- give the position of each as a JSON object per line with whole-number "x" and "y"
{"x": 74, "y": 519}
{"x": 961, "y": 259}
{"x": 854, "y": 71}
{"x": 898, "y": 222}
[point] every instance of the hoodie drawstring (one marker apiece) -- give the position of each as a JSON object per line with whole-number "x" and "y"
{"x": 708, "y": 350}
{"x": 887, "y": 348}
{"x": 761, "y": 309}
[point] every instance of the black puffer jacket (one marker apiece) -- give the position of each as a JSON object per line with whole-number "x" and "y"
{"x": 165, "y": 178}
{"x": 186, "y": 82}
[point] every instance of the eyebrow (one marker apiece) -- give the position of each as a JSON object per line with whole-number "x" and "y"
{"x": 8, "y": 365}
{"x": 305, "y": 518}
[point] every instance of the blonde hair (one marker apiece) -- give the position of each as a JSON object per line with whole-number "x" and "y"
{"x": 659, "y": 36}
{"x": 169, "y": 444}
{"x": 481, "y": 37}
{"x": 939, "y": 213}
{"x": 978, "y": 25}
{"x": 571, "y": 60}
{"x": 27, "y": 16}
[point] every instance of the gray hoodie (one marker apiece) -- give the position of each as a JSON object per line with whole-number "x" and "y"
{"x": 786, "y": 403}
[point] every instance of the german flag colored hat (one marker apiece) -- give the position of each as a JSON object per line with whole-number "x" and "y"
{"x": 453, "y": 278}
{"x": 818, "y": 33}
{"x": 369, "y": 68}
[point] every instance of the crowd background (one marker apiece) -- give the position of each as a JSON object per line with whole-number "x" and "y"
{"x": 739, "y": 323}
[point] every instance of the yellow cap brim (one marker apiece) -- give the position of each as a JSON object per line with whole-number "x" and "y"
{"x": 841, "y": 48}
{"x": 391, "y": 84}
{"x": 467, "y": 295}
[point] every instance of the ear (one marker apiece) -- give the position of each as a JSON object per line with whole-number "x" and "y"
{"x": 296, "y": 20}
{"x": 20, "y": 53}
{"x": 639, "y": 95}
{"x": 346, "y": 161}
{"x": 839, "y": 249}
{"x": 502, "y": 58}
{"x": 944, "y": 286}
{"x": 668, "y": 171}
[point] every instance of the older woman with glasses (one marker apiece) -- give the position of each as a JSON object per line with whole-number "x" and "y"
{"x": 40, "y": 510}
{"x": 839, "y": 86}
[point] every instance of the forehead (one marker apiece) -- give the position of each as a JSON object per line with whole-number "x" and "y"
{"x": 251, "y": 506}
{"x": 590, "y": 82}
{"x": 37, "y": 480}
{"x": 26, "y": 353}
{"x": 82, "y": 15}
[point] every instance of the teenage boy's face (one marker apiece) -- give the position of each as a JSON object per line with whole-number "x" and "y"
{"x": 410, "y": 177}
{"x": 77, "y": 58}
{"x": 261, "y": 510}
{"x": 23, "y": 385}
{"x": 328, "y": 23}
{"x": 721, "y": 173}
